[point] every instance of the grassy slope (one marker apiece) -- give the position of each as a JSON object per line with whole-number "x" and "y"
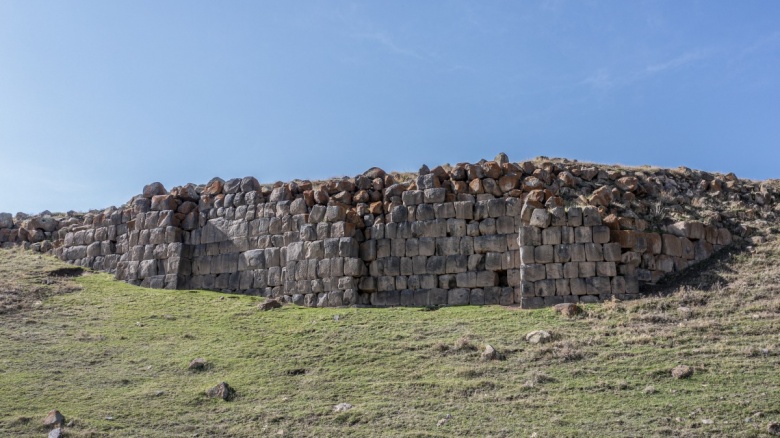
{"x": 114, "y": 350}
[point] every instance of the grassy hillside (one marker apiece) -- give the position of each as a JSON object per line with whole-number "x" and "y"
{"x": 113, "y": 358}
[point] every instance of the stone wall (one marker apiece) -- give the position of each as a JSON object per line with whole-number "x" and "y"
{"x": 533, "y": 233}
{"x": 573, "y": 255}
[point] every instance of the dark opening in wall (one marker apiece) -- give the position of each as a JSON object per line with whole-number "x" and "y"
{"x": 502, "y": 279}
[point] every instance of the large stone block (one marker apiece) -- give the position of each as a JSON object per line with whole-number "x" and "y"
{"x": 533, "y": 272}
{"x": 544, "y": 254}
{"x": 458, "y": 297}
{"x": 671, "y": 245}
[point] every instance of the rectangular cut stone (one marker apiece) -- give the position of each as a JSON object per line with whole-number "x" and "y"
{"x": 577, "y": 286}
{"x": 577, "y": 252}
{"x": 544, "y": 288}
{"x": 554, "y": 270}
{"x": 601, "y": 234}
{"x": 618, "y": 285}
{"x": 606, "y": 269}
{"x": 594, "y": 252}
{"x": 654, "y": 243}
{"x": 551, "y": 236}
{"x": 687, "y": 248}
{"x": 529, "y": 236}
{"x": 505, "y": 225}
{"x": 598, "y": 285}
{"x": 574, "y": 217}
{"x": 562, "y": 287}
{"x": 571, "y": 270}
{"x": 591, "y": 216}
{"x": 587, "y": 269}
{"x": 544, "y": 254}
{"x": 567, "y": 235}
{"x": 458, "y": 297}
{"x": 626, "y": 238}
{"x": 583, "y": 235}
{"x": 487, "y": 279}
{"x": 527, "y": 254}
{"x": 464, "y": 210}
{"x": 612, "y": 252}
{"x": 671, "y": 245}
{"x": 562, "y": 253}
{"x": 477, "y": 297}
{"x": 533, "y": 272}
{"x": 492, "y": 243}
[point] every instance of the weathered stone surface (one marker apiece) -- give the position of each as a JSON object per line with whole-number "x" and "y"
{"x": 223, "y": 391}
{"x": 682, "y": 372}
{"x": 269, "y": 305}
{"x": 538, "y": 337}
{"x": 54, "y": 419}
{"x": 154, "y": 189}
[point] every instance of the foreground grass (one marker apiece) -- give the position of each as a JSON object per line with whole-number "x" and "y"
{"x": 114, "y": 358}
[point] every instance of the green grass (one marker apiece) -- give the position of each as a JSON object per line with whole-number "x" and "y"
{"x": 103, "y": 349}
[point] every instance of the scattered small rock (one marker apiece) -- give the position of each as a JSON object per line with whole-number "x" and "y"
{"x": 54, "y": 419}
{"x": 268, "y": 305}
{"x": 682, "y": 372}
{"x": 568, "y": 310}
{"x": 342, "y": 407}
{"x": 443, "y": 421}
{"x": 538, "y": 337}
{"x": 490, "y": 353}
{"x": 773, "y": 428}
{"x": 198, "y": 364}
{"x": 707, "y": 421}
{"x": 110, "y": 418}
{"x": 223, "y": 391}
{"x": 649, "y": 389}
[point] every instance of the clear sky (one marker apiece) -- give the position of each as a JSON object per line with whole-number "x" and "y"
{"x": 98, "y": 98}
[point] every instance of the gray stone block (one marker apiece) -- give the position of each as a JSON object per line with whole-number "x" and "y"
{"x": 544, "y": 288}
{"x": 554, "y": 271}
{"x": 434, "y": 195}
{"x": 458, "y": 297}
{"x": 529, "y": 236}
{"x": 464, "y": 210}
{"x": 492, "y": 243}
{"x": 594, "y": 252}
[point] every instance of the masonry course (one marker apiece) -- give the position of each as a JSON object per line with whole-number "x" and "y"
{"x": 533, "y": 233}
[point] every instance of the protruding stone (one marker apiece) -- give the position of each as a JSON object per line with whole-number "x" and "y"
{"x": 54, "y": 419}
{"x": 538, "y": 337}
{"x": 223, "y": 391}
{"x": 268, "y": 305}
{"x": 154, "y": 189}
{"x": 682, "y": 372}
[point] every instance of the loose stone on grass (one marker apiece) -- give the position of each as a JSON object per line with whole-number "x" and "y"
{"x": 490, "y": 353}
{"x": 268, "y": 305}
{"x": 682, "y": 372}
{"x": 198, "y": 364}
{"x": 568, "y": 310}
{"x": 538, "y": 337}
{"x": 342, "y": 407}
{"x": 223, "y": 391}
{"x": 54, "y": 419}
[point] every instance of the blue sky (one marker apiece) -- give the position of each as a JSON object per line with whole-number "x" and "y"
{"x": 98, "y": 98}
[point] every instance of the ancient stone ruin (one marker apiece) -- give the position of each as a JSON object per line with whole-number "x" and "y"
{"x": 534, "y": 233}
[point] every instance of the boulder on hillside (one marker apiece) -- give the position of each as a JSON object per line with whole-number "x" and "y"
{"x": 54, "y": 419}
{"x": 223, "y": 391}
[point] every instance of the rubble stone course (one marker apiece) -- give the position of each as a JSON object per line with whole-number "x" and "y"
{"x": 535, "y": 233}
